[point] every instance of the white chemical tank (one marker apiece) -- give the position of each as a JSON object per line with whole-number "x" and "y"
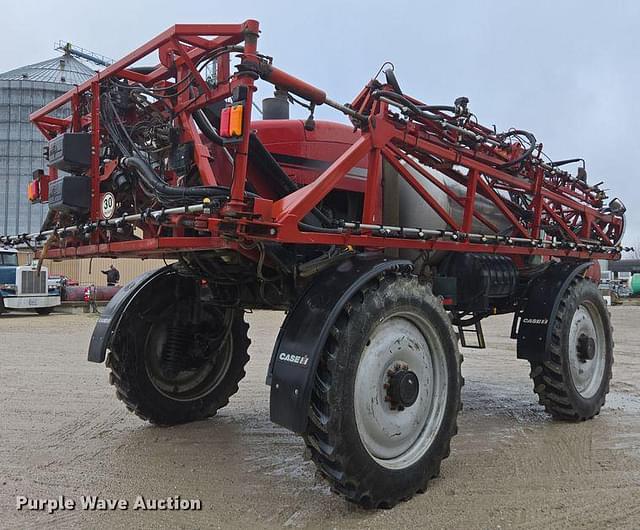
{"x": 405, "y": 207}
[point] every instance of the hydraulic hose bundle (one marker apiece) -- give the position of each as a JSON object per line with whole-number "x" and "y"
{"x": 167, "y": 193}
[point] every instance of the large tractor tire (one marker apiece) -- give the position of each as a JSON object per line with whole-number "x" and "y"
{"x": 573, "y": 383}
{"x": 169, "y": 374}
{"x": 387, "y": 394}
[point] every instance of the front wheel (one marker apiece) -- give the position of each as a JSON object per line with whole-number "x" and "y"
{"x": 387, "y": 393}
{"x": 573, "y": 383}
{"x": 169, "y": 372}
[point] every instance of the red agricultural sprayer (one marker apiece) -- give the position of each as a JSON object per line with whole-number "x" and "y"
{"x": 387, "y": 241}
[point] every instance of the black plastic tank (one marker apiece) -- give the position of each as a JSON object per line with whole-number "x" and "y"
{"x": 277, "y": 107}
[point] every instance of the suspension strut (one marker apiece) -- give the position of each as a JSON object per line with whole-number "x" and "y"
{"x": 175, "y": 354}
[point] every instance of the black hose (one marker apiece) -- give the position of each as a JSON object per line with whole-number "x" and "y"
{"x": 559, "y": 163}
{"x": 439, "y": 108}
{"x": 400, "y": 99}
{"x": 142, "y": 69}
{"x": 207, "y": 129}
{"x": 153, "y": 181}
{"x": 422, "y": 110}
{"x": 312, "y": 228}
{"x": 530, "y": 138}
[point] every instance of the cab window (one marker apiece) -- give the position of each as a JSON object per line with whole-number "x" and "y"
{"x": 10, "y": 259}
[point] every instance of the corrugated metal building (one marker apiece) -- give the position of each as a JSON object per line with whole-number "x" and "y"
{"x": 88, "y": 271}
{"x": 23, "y": 91}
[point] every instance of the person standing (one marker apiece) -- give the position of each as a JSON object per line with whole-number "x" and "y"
{"x": 113, "y": 275}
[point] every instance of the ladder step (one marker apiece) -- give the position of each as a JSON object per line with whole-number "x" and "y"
{"x": 475, "y": 330}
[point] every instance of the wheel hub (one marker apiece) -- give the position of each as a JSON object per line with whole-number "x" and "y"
{"x": 586, "y": 348}
{"x": 402, "y": 368}
{"x": 402, "y": 389}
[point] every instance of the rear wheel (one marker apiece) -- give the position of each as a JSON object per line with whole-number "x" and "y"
{"x": 170, "y": 372}
{"x": 574, "y": 382}
{"x": 386, "y": 395}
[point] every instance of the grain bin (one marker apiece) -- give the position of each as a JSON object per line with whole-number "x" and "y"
{"x": 23, "y": 91}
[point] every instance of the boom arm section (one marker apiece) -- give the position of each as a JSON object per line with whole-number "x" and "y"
{"x": 170, "y": 154}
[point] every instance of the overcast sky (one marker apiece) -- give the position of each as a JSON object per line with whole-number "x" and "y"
{"x": 566, "y": 70}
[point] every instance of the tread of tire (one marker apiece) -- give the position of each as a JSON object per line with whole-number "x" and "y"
{"x": 323, "y": 453}
{"x": 549, "y": 382}
{"x": 120, "y": 377}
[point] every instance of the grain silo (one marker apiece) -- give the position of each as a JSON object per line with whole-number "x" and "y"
{"x": 22, "y": 91}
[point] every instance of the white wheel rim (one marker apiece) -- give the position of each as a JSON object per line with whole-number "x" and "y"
{"x": 396, "y": 439}
{"x": 587, "y": 374}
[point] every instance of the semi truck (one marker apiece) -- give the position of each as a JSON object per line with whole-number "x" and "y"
{"x": 24, "y": 287}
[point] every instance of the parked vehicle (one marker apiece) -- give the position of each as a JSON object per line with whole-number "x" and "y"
{"x": 24, "y": 288}
{"x": 387, "y": 242}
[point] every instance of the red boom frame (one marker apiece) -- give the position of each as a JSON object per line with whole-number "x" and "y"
{"x": 584, "y": 228}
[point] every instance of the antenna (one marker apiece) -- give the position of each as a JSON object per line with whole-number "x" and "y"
{"x": 71, "y": 49}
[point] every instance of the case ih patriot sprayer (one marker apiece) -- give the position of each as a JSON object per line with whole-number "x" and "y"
{"x": 382, "y": 240}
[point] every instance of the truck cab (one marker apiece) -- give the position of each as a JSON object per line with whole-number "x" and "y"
{"x": 23, "y": 288}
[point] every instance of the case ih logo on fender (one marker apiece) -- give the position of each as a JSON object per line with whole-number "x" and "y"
{"x": 539, "y": 321}
{"x": 300, "y": 360}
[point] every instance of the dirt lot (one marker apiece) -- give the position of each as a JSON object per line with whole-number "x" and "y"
{"x": 62, "y": 432}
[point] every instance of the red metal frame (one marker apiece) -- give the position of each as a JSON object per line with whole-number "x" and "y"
{"x": 575, "y": 209}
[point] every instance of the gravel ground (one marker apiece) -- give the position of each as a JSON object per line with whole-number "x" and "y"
{"x": 62, "y": 432}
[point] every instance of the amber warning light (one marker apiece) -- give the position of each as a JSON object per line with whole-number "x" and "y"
{"x": 231, "y": 121}
{"x": 34, "y": 187}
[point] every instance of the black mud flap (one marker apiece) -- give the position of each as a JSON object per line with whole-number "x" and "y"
{"x": 543, "y": 299}
{"x": 110, "y": 316}
{"x": 305, "y": 330}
